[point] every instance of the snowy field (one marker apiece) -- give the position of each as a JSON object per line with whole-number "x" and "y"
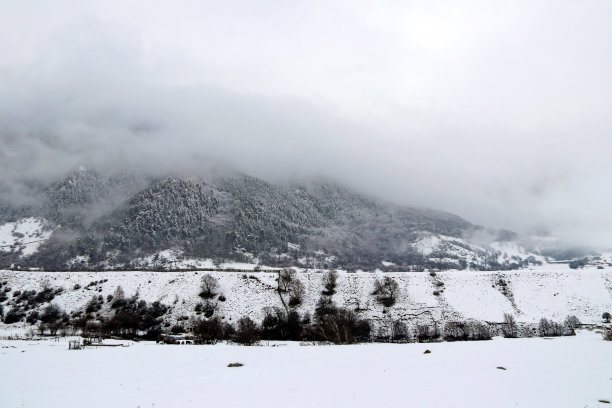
{"x": 560, "y": 372}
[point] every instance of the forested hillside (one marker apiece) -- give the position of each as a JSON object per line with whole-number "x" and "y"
{"x": 113, "y": 221}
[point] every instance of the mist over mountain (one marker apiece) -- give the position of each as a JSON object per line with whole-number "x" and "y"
{"x": 95, "y": 220}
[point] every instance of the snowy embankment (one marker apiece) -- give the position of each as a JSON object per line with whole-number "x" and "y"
{"x": 534, "y": 372}
{"x": 552, "y": 292}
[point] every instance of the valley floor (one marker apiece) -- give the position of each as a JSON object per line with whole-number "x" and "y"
{"x": 561, "y": 372}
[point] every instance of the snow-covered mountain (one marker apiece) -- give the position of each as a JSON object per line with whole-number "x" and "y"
{"x": 90, "y": 220}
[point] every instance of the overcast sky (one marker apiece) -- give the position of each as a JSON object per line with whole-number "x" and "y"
{"x": 497, "y": 111}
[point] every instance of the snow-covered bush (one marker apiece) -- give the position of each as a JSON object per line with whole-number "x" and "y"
{"x": 571, "y": 322}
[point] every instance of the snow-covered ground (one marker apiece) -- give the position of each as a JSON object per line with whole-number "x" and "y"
{"x": 560, "y": 372}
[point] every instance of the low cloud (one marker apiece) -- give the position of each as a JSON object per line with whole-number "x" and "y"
{"x": 498, "y": 114}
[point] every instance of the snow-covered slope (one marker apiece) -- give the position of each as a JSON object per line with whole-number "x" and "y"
{"x": 25, "y": 235}
{"x": 552, "y": 292}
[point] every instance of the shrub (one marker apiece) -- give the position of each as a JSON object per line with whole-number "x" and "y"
{"x": 478, "y": 331}
{"x": 548, "y": 328}
{"x": 14, "y": 315}
{"x": 427, "y": 333}
{"x": 46, "y": 295}
{"x": 208, "y": 331}
{"x": 294, "y": 301}
{"x": 207, "y": 308}
{"x": 279, "y": 325}
{"x": 606, "y": 316}
{"x": 134, "y": 316}
{"x": 399, "y": 331}
{"x": 579, "y": 263}
{"x": 324, "y": 307}
{"x": 177, "y": 328}
{"x": 455, "y": 331}
{"x": 94, "y": 304}
{"x": 76, "y": 287}
{"x": 607, "y": 334}
{"x": 51, "y": 314}
{"x": 33, "y": 317}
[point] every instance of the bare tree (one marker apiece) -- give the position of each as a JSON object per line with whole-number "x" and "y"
{"x": 208, "y": 286}
{"x": 330, "y": 282}
{"x": 509, "y": 327}
{"x": 386, "y": 291}
{"x": 285, "y": 277}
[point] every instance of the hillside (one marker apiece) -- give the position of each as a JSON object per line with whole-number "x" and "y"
{"x": 552, "y": 292}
